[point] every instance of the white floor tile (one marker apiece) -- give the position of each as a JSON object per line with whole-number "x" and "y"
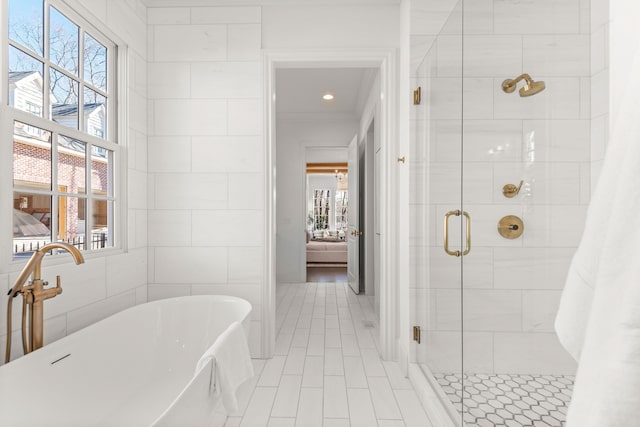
{"x": 300, "y": 338}
{"x": 304, "y": 321}
{"x": 391, "y": 423}
{"x": 396, "y": 378}
{"x": 295, "y": 361}
{"x": 331, "y": 321}
{"x": 313, "y": 372}
{"x": 333, "y": 362}
{"x": 372, "y": 363}
{"x": 336, "y": 422}
{"x": 335, "y": 397}
{"x": 257, "y": 413}
{"x": 281, "y": 422}
{"x": 361, "y": 410}
{"x": 310, "y": 408}
{"x": 245, "y": 391}
{"x": 272, "y": 371}
{"x": 364, "y": 338}
{"x": 327, "y": 371}
{"x": 317, "y": 325}
{"x": 383, "y": 399}
{"x": 286, "y": 402}
{"x": 332, "y": 338}
{"x": 233, "y": 422}
{"x": 316, "y": 345}
{"x": 283, "y": 342}
{"x": 411, "y": 409}
{"x": 354, "y": 372}
{"x": 350, "y": 345}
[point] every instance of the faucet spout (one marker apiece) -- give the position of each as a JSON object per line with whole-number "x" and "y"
{"x": 34, "y": 295}
{"x": 34, "y": 265}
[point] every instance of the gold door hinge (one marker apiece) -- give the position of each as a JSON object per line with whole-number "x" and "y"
{"x": 416, "y": 334}
{"x": 417, "y": 96}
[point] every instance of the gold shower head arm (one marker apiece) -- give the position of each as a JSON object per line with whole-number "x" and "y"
{"x": 509, "y": 85}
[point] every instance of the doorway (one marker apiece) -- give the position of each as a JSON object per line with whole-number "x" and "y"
{"x": 376, "y": 104}
{"x": 327, "y": 207}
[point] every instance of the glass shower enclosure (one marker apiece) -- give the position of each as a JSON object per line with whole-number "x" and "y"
{"x": 501, "y": 175}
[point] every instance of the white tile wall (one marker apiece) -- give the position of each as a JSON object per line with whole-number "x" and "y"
{"x": 228, "y": 80}
{"x": 126, "y": 272}
{"x": 229, "y": 154}
{"x": 169, "y": 80}
{"x": 491, "y": 55}
{"x": 168, "y": 16}
{"x": 190, "y": 265}
{"x": 492, "y": 141}
{"x": 244, "y": 42}
{"x": 190, "y": 191}
{"x": 531, "y": 352}
{"x": 245, "y": 116}
{"x": 206, "y": 164}
{"x": 169, "y": 154}
{"x": 190, "y": 116}
{"x": 539, "y": 17}
{"x": 539, "y": 310}
{"x": 478, "y": 17}
{"x": 556, "y": 55}
{"x": 227, "y": 228}
{"x": 561, "y": 100}
{"x": 428, "y": 18}
{"x": 225, "y": 15}
{"x": 190, "y": 43}
{"x": 85, "y": 316}
{"x": 535, "y": 268}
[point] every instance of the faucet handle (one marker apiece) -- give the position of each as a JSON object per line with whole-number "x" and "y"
{"x": 511, "y": 190}
{"x": 51, "y": 292}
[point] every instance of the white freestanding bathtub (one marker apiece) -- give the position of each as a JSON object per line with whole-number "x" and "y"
{"x": 123, "y": 371}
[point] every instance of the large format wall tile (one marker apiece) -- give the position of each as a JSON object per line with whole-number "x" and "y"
{"x": 184, "y": 43}
{"x": 536, "y": 17}
{"x": 525, "y": 353}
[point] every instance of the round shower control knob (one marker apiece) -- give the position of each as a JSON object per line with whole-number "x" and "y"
{"x": 510, "y": 227}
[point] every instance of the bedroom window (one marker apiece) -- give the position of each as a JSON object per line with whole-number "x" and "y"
{"x": 62, "y": 107}
{"x": 342, "y": 203}
{"x": 321, "y": 209}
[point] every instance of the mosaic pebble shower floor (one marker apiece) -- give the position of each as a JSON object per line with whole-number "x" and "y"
{"x": 509, "y": 400}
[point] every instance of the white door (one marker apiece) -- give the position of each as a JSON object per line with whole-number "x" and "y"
{"x": 353, "y": 230}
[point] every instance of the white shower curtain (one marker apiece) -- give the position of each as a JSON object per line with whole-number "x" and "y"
{"x": 599, "y": 317}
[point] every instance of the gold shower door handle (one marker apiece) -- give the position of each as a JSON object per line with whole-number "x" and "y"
{"x": 467, "y": 232}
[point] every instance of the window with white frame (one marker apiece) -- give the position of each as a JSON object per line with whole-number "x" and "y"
{"x": 61, "y": 97}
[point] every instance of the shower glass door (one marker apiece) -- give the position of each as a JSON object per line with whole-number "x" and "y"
{"x": 502, "y": 133}
{"x": 436, "y": 209}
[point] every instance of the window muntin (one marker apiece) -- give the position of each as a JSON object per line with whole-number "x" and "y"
{"x": 342, "y": 207}
{"x": 55, "y": 60}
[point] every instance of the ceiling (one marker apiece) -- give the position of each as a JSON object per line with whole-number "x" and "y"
{"x": 300, "y": 90}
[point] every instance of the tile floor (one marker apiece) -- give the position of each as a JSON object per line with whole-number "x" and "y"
{"x": 326, "y": 274}
{"x": 510, "y": 400}
{"x": 326, "y": 371}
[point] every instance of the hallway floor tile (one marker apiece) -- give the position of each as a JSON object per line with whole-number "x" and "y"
{"x": 327, "y": 371}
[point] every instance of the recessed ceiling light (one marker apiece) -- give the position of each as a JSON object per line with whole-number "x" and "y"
{"x": 327, "y": 97}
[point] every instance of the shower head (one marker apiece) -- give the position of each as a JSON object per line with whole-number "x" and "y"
{"x": 530, "y": 87}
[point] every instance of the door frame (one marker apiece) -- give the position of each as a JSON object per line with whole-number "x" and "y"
{"x": 385, "y": 60}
